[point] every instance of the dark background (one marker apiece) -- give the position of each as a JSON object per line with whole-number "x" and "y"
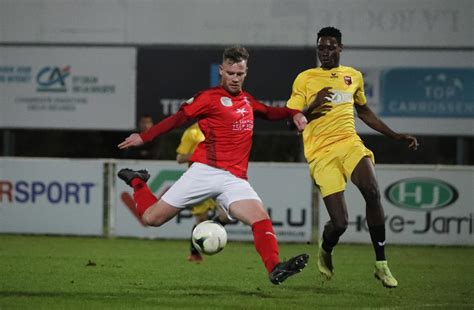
{"x": 181, "y": 71}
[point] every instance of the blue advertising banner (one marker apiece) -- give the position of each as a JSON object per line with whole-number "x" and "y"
{"x": 427, "y": 92}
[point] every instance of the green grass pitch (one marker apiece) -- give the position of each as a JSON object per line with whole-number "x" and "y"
{"x": 44, "y": 272}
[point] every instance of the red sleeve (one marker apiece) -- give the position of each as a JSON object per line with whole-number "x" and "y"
{"x": 165, "y": 125}
{"x": 272, "y": 113}
{"x": 197, "y": 105}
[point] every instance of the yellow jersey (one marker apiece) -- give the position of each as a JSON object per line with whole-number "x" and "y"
{"x": 334, "y": 125}
{"x": 190, "y": 139}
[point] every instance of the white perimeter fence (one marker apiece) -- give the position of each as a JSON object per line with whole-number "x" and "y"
{"x": 423, "y": 204}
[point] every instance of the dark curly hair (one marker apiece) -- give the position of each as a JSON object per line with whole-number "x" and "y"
{"x": 330, "y": 32}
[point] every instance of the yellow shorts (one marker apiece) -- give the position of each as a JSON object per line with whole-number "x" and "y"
{"x": 334, "y": 164}
{"x": 203, "y": 207}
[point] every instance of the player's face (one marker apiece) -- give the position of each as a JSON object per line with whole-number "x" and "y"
{"x": 145, "y": 124}
{"x": 233, "y": 75}
{"x": 329, "y": 52}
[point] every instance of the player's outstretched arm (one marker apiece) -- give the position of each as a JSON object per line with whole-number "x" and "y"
{"x": 158, "y": 129}
{"x": 369, "y": 117}
{"x": 131, "y": 141}
{"x": 279, "y": 113}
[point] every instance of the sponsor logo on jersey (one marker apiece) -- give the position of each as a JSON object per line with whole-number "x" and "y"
{"x": 341, "y": 97}
{"x": 226, "y": 101}
{"x": 347, "y": 80}
{"x": 241, "y": 111}
{"x": 243, "y": 125}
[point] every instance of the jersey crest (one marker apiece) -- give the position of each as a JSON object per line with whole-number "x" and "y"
{"x": 347, "y": 80}
{"x": 226, "y": 101}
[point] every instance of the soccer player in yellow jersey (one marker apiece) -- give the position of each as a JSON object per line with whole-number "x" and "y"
{"x": 191, "y": 137}
{"x": 327, "y": 96}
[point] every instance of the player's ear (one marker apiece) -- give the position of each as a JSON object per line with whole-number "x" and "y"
{"x": 221, "y": 69}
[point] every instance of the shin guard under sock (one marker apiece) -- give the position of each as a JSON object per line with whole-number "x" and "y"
{"x": 377, "y": 235}
{"x": 265, "y": 242}
{"x": 143, "y": 196}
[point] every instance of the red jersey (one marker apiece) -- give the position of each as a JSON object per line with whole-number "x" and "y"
{"x": 227, "y": 123}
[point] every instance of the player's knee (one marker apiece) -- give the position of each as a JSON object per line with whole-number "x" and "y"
{"x": 340, "y": 227}
{"x": 370, "y": 192}
{"x": 152, "y": 220}
{"x": 340, "y": 231}
{"x": 256, "y": 217}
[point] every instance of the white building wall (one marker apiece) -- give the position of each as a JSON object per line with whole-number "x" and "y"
{"x": 422, "y": 23}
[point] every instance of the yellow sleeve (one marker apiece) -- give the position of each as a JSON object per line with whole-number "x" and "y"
{"x": 298, "y": 100}
{"x": 359, "y": 95}
{"x": 189, "y": 140}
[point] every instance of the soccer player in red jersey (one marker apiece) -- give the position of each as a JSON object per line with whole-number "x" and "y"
{"x": 226, "y": 117}
{"x": 190, "y": 139}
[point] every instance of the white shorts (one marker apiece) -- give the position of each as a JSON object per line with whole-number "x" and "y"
{"x": 201, "y": 182}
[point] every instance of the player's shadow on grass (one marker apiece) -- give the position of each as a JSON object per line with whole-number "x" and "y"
{"x": 207, "y": 290}
{"x": 134, "y": 291}
{"x": 326, "y": 289}
{"x": 69, "y": 295}
{"x": 263, "y": 291}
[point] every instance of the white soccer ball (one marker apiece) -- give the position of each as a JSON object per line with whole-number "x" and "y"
{"x": 209, "y": 237}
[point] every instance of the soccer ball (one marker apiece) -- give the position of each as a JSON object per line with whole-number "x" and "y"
{"x": 209, "y": 237}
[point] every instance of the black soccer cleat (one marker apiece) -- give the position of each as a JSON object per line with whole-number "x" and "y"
{"x": 284, "y": 270}
{"x": 128, "y": 175}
